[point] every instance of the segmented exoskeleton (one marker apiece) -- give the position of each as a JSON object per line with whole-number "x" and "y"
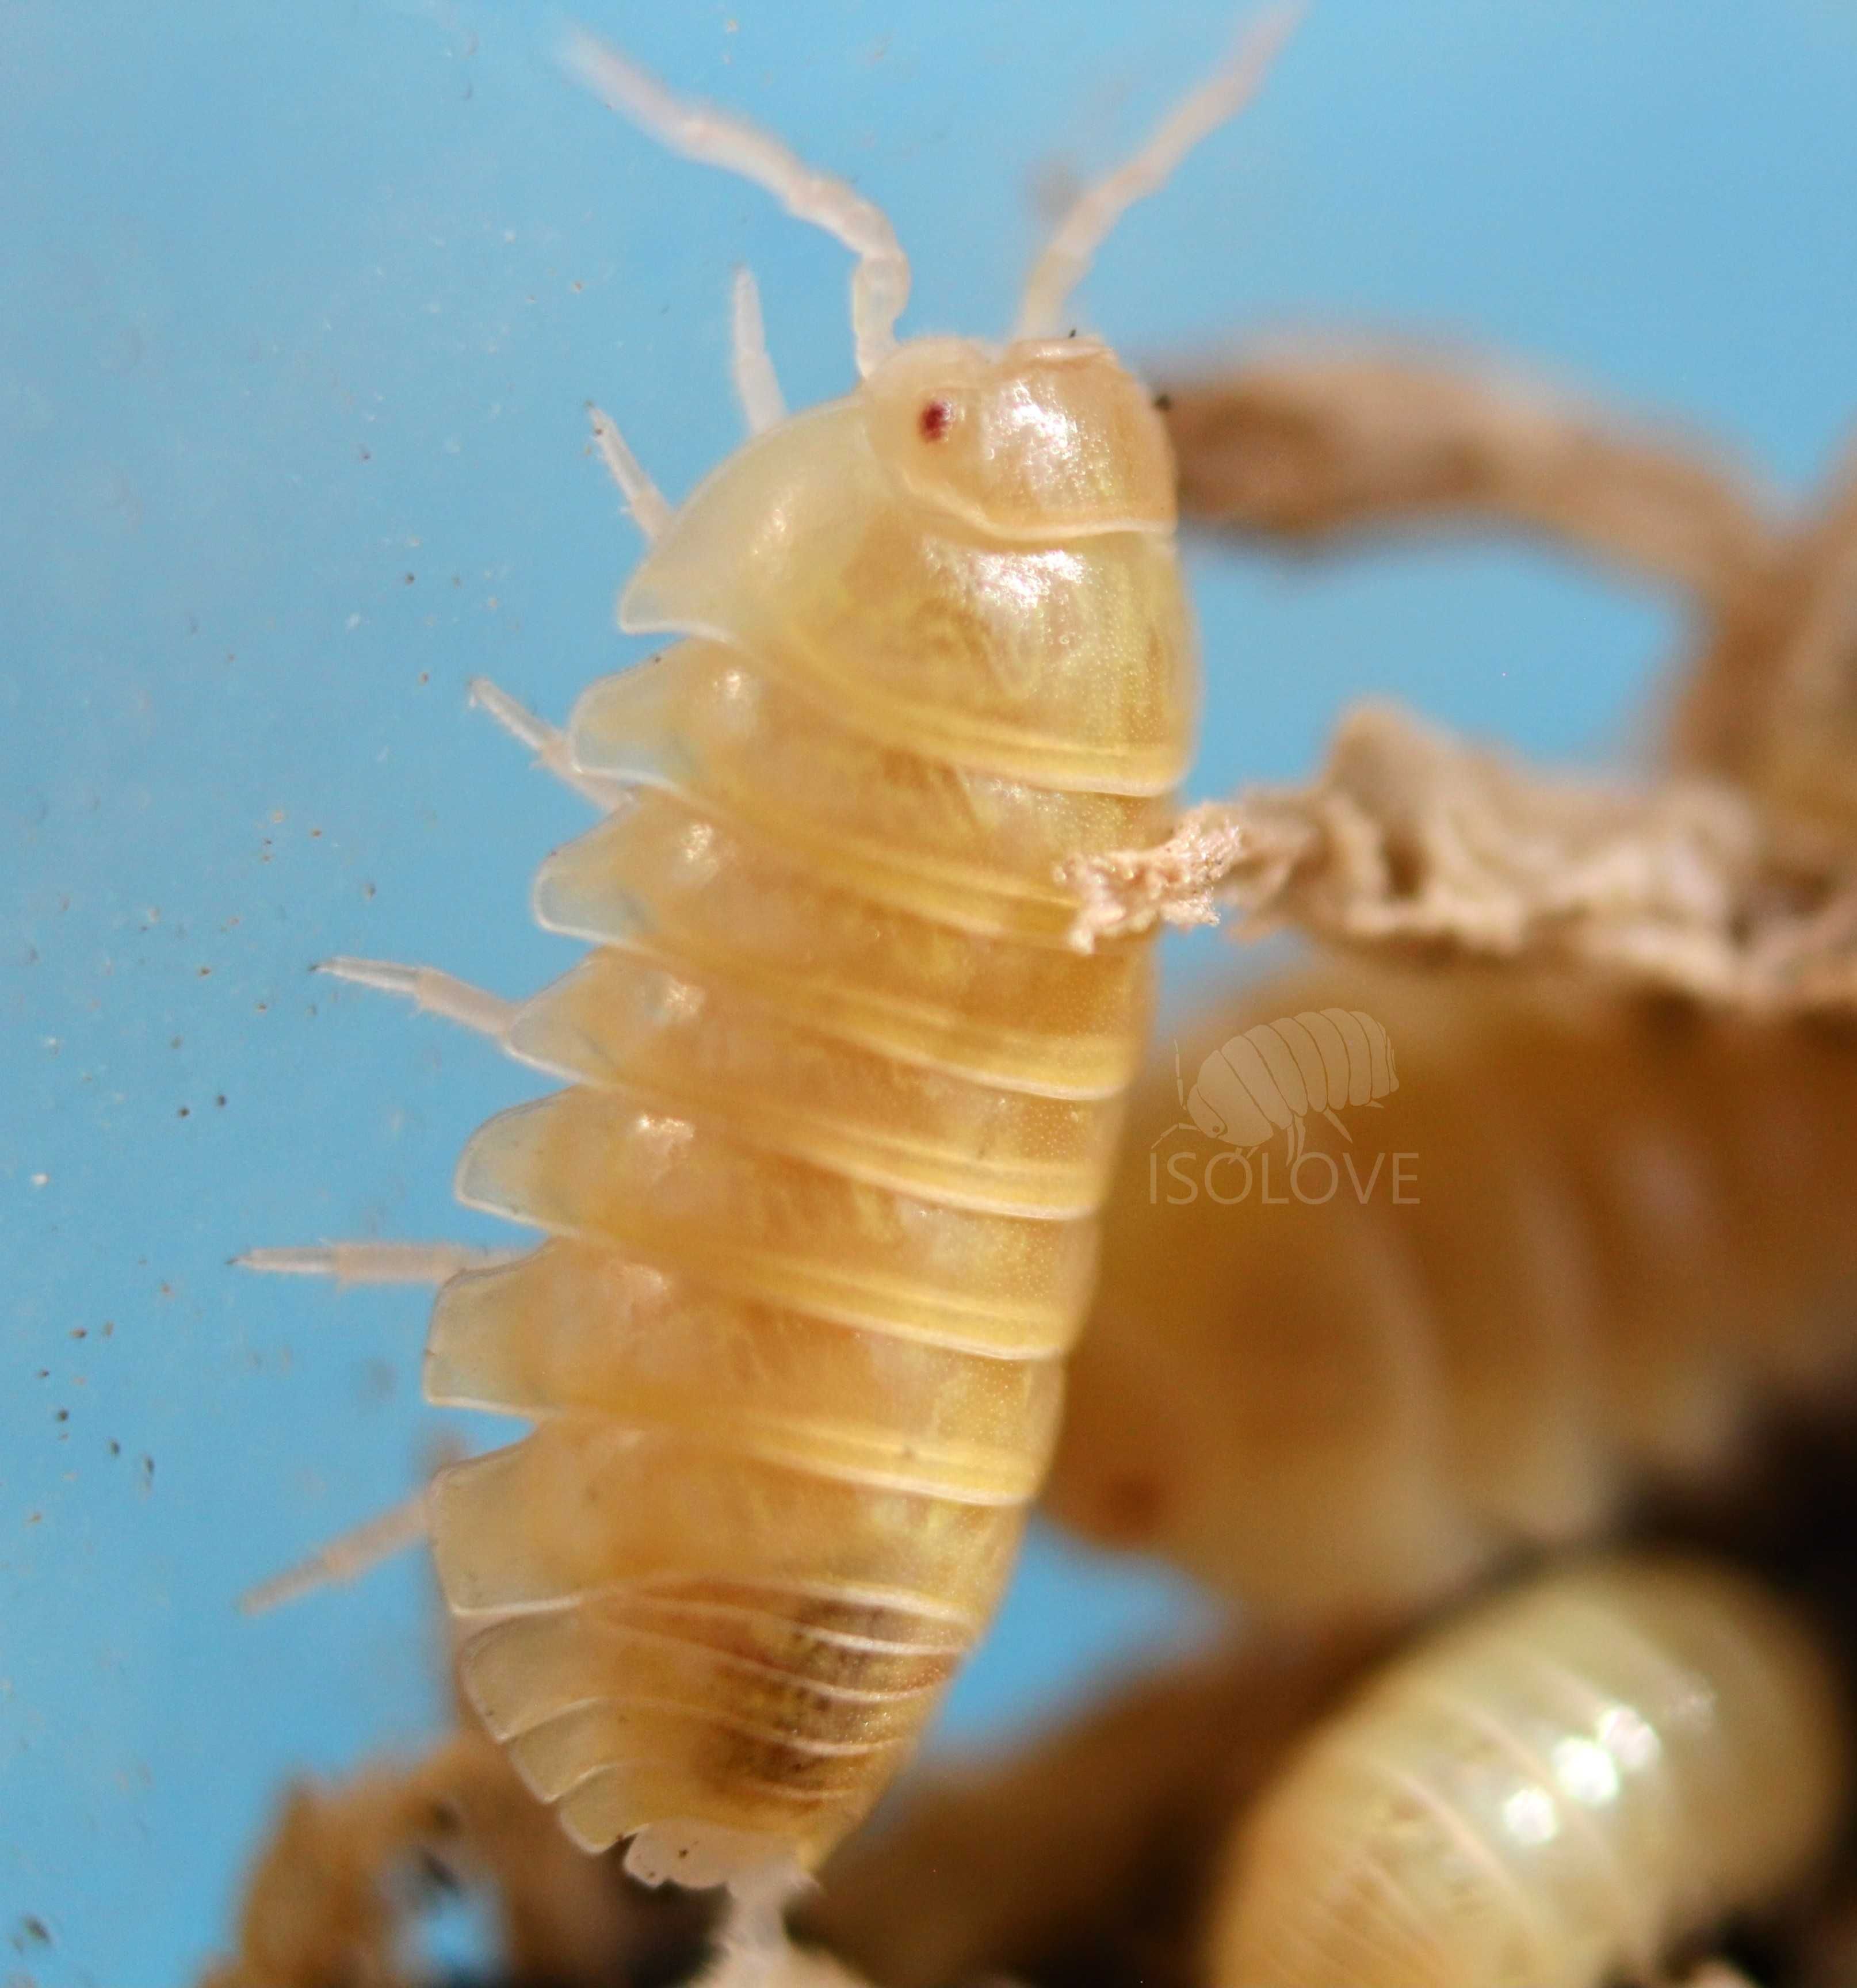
{"x": 821, "y": 1201}
{"x": 1548, "y": 1794}
{"x": 1579, "y": 1254}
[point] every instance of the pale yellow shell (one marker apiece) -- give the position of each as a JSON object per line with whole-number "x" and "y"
{"x": 820, "y": 1202}
{"x": 1547, "y": 1795}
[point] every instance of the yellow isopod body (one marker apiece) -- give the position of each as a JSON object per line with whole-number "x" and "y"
{"x": 1548, "y": 1793}
{"x": 820, "y": 1202}
{"x": 822, "y": 1199}
{"x": 1579, "y": 1254}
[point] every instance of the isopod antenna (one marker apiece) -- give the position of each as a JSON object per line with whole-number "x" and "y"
{"x": 879, "y": 284}
{"x": 1067, "y": 257}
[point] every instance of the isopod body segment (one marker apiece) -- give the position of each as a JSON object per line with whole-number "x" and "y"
{"x": 1548, "y": 1794}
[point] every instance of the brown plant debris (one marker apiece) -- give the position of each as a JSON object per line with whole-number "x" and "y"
{"x": 1735, "y": 882}
{"x": 1771, "y": 703}
{"x": 1331, "y": 439}
{"x": 333, "y": 1891}
{"x": 1410, "y": 838}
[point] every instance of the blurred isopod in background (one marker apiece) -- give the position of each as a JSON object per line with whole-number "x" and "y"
{"x": 1591, "y": 1251}
{"x": 1538, "y": 1794}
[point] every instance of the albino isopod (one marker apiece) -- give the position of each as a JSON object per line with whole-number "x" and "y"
{"x": 1549, "y": 1793}
{"x": 1274, "y": 1074}
{"x": 820, "y": 1203}
{"x": 1579, "y": 1254}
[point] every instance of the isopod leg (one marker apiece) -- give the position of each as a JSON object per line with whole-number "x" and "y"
{"x": 1067, "y": 255}
{"x": 344, "y": 1558}
{"x": 643, "y": 498}
{"x": 880, "y": 285}
{"x": 432, "y": 991}
{"x": 755, "y": 385}
{"x": 376, "y": 1263}
{"x": 548, "y": 742}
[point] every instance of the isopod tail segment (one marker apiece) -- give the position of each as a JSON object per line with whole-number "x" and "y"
{"x": 819, "y": 1201}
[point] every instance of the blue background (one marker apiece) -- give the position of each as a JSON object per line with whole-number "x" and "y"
{"x": 298, "y": 307}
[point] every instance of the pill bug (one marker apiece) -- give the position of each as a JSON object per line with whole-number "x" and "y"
{"x": 820, "y": 1200}
{"x": 1549, "y": 1792}
{"x": 1583, "y": 1253}
{"x": 1270, "y": 1077}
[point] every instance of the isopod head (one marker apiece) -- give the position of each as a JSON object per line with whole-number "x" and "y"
{"x": 834, "y": 550}
{"x": 1049, "y": 439}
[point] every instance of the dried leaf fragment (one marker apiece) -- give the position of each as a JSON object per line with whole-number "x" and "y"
{"x": 1411, "y": 838}
{"x": 1772, "y": 701}
{"x": 1312, "y": 444}
{"x": 328, "y": 1901}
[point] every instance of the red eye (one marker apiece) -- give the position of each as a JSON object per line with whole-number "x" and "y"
{"x": 936, "y": 419}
